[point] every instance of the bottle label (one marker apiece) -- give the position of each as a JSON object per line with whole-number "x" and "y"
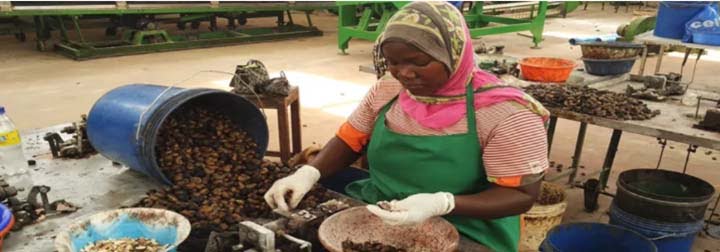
{"x": 9, "y": 138}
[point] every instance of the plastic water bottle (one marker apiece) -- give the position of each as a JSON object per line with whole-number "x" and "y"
{"x": 13, "y": 166}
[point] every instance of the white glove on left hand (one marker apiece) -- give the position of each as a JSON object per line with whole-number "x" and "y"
{"x": 415, "y": 209}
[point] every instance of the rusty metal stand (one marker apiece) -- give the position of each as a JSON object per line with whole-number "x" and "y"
{"x": 551, "y": 131}
{"x": 578, "y": 152}
{"x": 610, "y": 158}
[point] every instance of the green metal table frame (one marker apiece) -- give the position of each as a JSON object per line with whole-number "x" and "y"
{"x": 136, "y": 41}
{"x": 366, "y": 20}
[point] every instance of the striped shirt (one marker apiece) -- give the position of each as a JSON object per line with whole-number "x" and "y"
{"x": 513, "y": 139}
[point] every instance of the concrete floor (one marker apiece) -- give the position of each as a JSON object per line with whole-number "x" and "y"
{"x": 44, "y": 89}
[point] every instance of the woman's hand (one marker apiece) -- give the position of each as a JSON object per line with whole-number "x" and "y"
{"x": 415, "y": 209}
{"x": 298, "y": 184}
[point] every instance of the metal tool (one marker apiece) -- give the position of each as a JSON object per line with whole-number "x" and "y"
{"x": 23, "y": 211}
{"x": 657, "y": 87}
{"x": 219, "y": 242}
{"x": 31, "y": 209}
{"x": 493, "y": 60}
{"x": 256, "y": 236}
{"x": 275, "y": 235}
{"x": 76, "y": 147}
{"x": 253, "y": 237}
{"x": 305, "y": 222}
{"x": 711, "y": 120}
{"x": 42, "y": 191}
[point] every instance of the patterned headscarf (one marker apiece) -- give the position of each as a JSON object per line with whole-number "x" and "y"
{"x": 439, "y": 30}
{"x": 435, "y": 28}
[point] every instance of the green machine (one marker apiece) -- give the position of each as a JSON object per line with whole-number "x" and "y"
{"x": 142, "y": 27}
{"x": 366, "y": 20}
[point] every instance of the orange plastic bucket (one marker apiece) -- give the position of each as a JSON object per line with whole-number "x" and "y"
{"x": 542, "y": 69}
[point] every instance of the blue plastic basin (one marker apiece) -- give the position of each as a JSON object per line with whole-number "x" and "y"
{"x": 167, "y": 228}
{"x": 604, "y": 67}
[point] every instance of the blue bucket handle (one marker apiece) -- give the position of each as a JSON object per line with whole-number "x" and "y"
{"x": 142, "y": 115}
{"x": 672, "y": 235}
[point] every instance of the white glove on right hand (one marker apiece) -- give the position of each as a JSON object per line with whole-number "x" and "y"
{"x": 415, "y": 209}
{"x": 298, "y": 183}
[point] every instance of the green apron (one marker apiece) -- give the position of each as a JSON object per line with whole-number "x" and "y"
{"x": 403, "y": 165}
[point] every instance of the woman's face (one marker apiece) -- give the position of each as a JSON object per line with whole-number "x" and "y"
{"x": 417, "y": 71}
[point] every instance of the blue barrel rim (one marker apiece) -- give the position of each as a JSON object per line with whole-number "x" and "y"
{"x": 556, "y": 228}
{"x": 6, "y": 216}
{"x": 153, "y": 124}
{"x": 653, "y": 226}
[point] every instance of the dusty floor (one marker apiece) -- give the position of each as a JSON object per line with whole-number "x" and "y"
{"x": 43, "y": 89}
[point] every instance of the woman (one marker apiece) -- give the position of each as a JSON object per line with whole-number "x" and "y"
{"x": 442, "y": 139}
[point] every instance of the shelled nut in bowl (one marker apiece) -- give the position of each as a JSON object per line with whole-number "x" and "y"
{"x": 610, "y": 50}
{"x": 358, "y": 225}
{"x": 165, "y": 227}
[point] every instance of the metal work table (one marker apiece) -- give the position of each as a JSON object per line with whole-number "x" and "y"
{"x": 94, "y": 184}
{"x": 674, "y": 124}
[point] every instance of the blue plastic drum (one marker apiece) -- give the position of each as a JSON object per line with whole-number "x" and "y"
{"x": 123, "y": 123}
{"x": 672, "y": 16}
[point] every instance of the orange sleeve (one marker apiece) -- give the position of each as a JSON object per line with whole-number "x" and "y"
{"x": 512, "y": 181}
{"x": 352, "y": 137}
{"x": 517, "y": 181}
